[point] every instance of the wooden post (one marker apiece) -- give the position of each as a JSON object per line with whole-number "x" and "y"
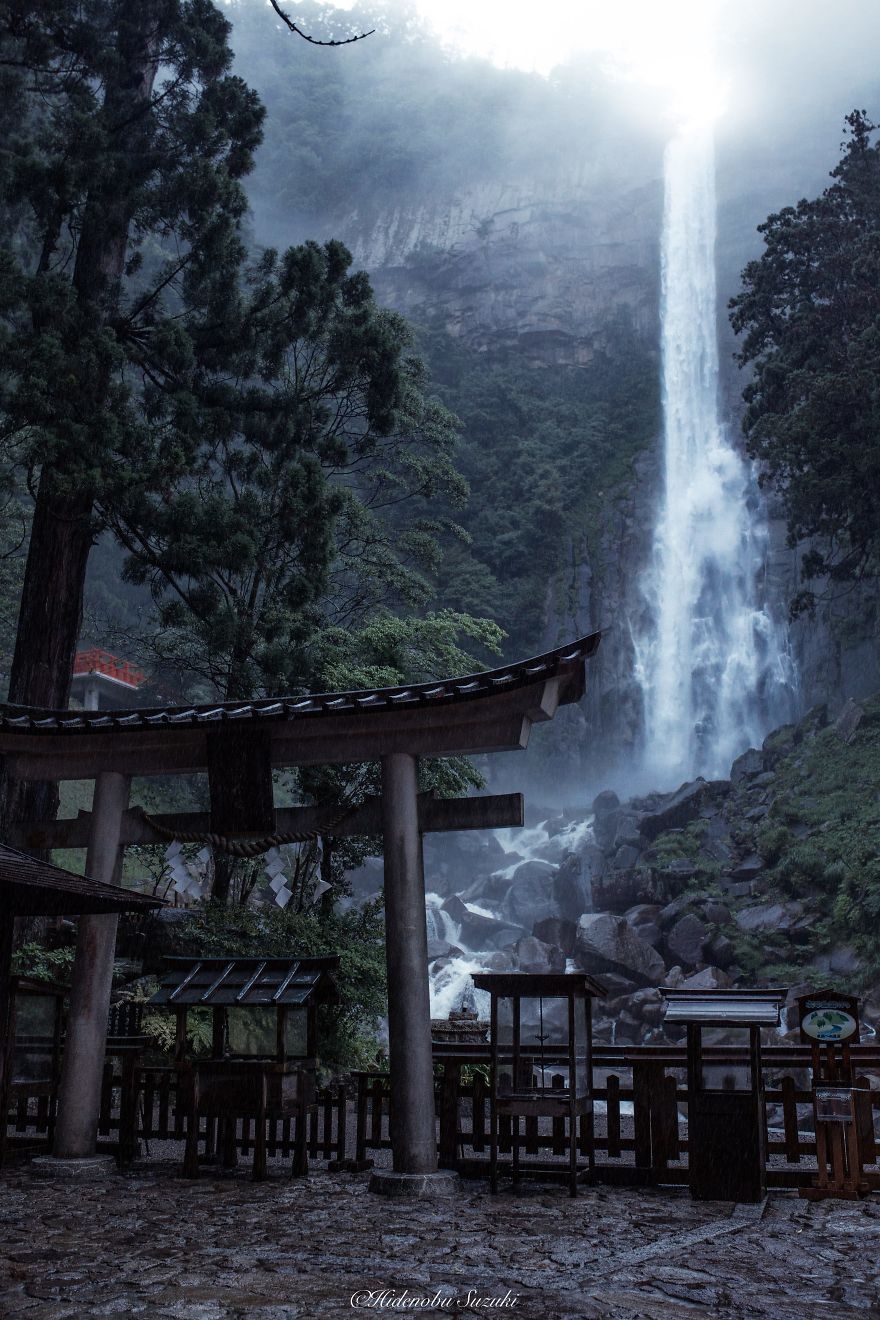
{"x": 7, "y": 1020}
{"x": 79, "y": 1100}
{"x": 413, "y": 1139}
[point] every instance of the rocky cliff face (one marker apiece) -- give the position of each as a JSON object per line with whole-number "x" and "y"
{"x": 542, "y": 269}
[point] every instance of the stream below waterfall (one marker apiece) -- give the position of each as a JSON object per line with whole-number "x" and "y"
{"x": 472, "y": 931}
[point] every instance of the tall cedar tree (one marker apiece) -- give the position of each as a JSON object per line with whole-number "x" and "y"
{"x": 124, "y": 137}
{"x": 296, "y": 512}
{"x": 810, "y": 313}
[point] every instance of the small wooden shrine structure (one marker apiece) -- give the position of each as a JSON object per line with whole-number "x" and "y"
{"x": 727, "y": 1155}
{"x": 31, "y": 1065}
{"x": 264, "y": 1042}
{"x": 541, "y": 1037}
{"x": 29, "y": 887}
{"x": 239, "y": 744}
{"x": 261, "y": 1007}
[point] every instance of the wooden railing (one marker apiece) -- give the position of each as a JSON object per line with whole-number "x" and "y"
{"x": 639, "y": 1132}
{"x": 641, "y": 1137}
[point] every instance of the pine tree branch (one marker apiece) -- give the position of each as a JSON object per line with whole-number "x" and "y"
{"x": 313, "y": 41}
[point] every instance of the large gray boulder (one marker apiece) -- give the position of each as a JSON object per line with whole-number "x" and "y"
{"x": 477, "y": 930}
{"x": 643, "y": 919}
{"x": 558, "y": 931}
{"x": 530, "y": 896}
{"x": 606, "y": 815}
{"x": 616, "y": 891}
{"x": 571, "y": 889}
{"x": 625, "y": 858}
{"x": 686, "y": 940}
{"x": 748, "y": 869}
{"x": 721, "y": 951}
{"x": 710, "y": 978}
{"x": 628, "y": 832}
{"x": 747, "y": 766}
{"x": 766, "y": 918}
{"x": 676, "y": 811}
{"x": 607, "y": 943}
{"x": 535, "y": 956}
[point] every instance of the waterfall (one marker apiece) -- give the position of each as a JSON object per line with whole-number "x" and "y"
{"x": 712, "y": 665}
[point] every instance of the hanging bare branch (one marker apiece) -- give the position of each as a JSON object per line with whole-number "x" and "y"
{"x": 313, "y": 41}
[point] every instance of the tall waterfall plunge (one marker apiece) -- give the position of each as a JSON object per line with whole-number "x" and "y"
{"x": 712, "y": 665}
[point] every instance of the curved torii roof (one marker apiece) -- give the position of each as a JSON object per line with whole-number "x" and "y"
{"x": 485, "y": 712}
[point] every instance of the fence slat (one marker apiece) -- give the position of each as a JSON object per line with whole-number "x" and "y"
{"x": 865, "y": 1121}
{"x": 613, "y": 1116}
{"x": 790, "y": 1121}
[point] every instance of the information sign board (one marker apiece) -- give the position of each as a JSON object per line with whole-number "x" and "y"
{"x": 828, "y": 1018}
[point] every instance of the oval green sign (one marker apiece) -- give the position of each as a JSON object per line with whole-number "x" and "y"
{"x": 829, "y": 1024}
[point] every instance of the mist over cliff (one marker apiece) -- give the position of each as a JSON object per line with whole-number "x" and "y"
{"x": 515, "y": 219}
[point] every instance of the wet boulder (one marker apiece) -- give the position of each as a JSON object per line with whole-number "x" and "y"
{"x": 607, "y": 943}
{"x": 766, "y": 918}
{"x": 533, "y": 955}
{"x": 571, "y": 889}
{"x": 624, "y": 858}
{"x": 748, "y": 869}
{"x": 606, "y": 816}
{"x": 643, "y": 919}
{"x": 558, "y": 931}
{"x": 628, "y": 833}
{"x": 747, "y": 766}
{"x": 710, "y": 978}
{"x": 720, "y": 950}
{"x": 530, "y": 895}
{"x": 715, "y": 912}
{"x": 618, "y": 890}
{"x": 687, "y": 939}
{"x": 675, "y": 811}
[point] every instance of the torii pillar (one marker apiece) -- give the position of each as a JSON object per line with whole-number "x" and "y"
{"x": 414, "y": 1144}
{"x": 79, "y": 1096}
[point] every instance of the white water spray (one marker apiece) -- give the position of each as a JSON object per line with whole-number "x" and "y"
{"x": 713, "y": 666}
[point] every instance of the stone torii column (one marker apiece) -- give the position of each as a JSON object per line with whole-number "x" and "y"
{"x": 79, "y": 1097}
{"x": 414, "y": 1142}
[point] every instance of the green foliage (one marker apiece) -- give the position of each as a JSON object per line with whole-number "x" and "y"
{"x": 542, "y": 451}
{"x": 34, "y": 959}
{"x": 810, "y": 311}
{"x": 827, "y": 789}
{"x": 294, "y": 510}
{"x": 160, "y": 1025}
{"x": 801, "y": 869}
{"x": 90, "y": 285}
{"x": 772, "y": 841}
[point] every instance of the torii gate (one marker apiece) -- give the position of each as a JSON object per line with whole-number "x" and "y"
{"x": 239, "y": 744}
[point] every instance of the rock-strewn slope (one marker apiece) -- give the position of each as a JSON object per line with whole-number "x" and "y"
{"x": 769, "y": 877}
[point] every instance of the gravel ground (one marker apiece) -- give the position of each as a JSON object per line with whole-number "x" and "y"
{"x": 150, "y": 1244}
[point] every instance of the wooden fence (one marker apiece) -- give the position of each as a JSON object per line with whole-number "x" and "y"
{"x": 638, "y": 1136}
{"x": 639, "y": 1132}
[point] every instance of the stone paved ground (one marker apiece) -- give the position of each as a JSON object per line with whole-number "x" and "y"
{"x": 149, "y": 1244}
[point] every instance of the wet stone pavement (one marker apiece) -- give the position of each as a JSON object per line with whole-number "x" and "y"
{"x": 150, "y": 1244}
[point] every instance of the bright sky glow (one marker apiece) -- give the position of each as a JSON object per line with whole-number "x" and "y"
{"x": 661, "y": 43}
{"x": 666, "y": 44}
